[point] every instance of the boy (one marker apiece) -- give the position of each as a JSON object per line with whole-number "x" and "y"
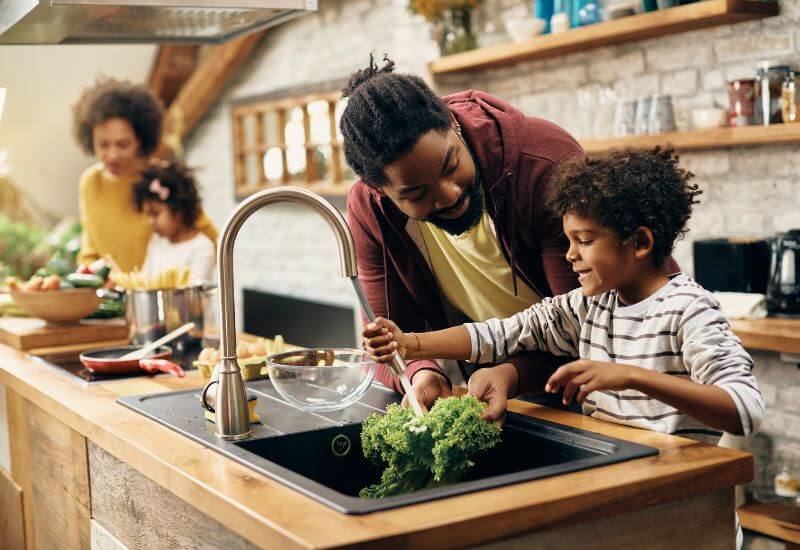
{"x": 653, "y": 351}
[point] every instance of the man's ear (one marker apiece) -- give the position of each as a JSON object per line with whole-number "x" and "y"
{"x": 643, "y": 242}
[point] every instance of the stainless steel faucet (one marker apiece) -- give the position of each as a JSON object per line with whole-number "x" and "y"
{"x": 230, "y": 402}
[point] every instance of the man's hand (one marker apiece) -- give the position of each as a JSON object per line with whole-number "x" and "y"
{"x": 585, "y": 376}
{"x": 428, "y": 386}
{"x": 383, "y": 338}
{"x": 494, "y": 386}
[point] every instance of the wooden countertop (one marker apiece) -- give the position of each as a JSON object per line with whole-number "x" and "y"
{"x": 270, "y": 514}
{"x": 770, "y": 334}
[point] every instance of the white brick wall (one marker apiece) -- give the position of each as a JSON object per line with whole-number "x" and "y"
{"x": 747, "y": 191}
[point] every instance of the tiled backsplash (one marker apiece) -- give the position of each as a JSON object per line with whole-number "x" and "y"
{"x": 747, "y": 191}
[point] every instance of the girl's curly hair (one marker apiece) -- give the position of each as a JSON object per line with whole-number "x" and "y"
{"x": 183, "y": 199}
{"x": 624, "y": 189}
{"x": 110, "y": 98}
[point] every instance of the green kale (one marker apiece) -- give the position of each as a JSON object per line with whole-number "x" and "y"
{"x": 427, "y": 451}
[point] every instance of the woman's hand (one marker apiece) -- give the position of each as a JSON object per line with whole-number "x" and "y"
{"x": 585, "y": 376}
{"x": 383, "y": 338}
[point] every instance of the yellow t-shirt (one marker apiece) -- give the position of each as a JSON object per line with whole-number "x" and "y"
{"x": 472, "y": 272}
{"x": 111, "y": 224}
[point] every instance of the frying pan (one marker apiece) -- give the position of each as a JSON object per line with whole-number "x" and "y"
{"x": 107, "y": 361}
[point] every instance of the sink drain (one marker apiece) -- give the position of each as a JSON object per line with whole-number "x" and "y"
{"x": 340, "y": 445}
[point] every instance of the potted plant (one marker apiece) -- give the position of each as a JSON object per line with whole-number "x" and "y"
{"x": 453, "y": 24}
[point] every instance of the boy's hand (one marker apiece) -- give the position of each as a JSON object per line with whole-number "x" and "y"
{"x": 585, "y": 376}
{"x": 383, "y": 338}
{"x": 494, "y": 385}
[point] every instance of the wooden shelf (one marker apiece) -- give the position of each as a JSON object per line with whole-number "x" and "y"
{"x": 696, "y": 140}
{"x": 709, "y": 13}
{"x": 770, "y": 334}
{"x": 764, "y": 519}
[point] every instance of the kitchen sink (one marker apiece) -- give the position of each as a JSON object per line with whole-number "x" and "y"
{"x": 320, "y": 455}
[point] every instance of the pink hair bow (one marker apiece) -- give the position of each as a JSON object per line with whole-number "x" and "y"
{"x": 158, "y": 189}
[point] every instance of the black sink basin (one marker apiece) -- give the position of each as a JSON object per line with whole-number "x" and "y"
{"x": 329, "y": 464}
{"x": 320, "y": 454}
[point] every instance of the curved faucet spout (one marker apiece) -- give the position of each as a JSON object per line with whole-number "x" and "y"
{"x": 232, "y": 419}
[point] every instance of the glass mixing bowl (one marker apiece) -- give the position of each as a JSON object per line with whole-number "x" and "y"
{"x": 323, "y": 379}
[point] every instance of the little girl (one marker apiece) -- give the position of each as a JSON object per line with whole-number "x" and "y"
{"x": 168, "y": 196}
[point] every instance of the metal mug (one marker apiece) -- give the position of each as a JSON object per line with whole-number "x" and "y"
{"x": 153, "y": 313}
{"x": 642, "y": 118}
{"x": 625, "y": 118}
{"x": 662, "y": 114}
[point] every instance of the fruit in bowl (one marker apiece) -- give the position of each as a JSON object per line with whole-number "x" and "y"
{"x": 64, "y": 306}
{"x": 60, "y": 300}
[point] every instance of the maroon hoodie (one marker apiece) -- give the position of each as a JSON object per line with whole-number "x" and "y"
{"x": 516, "y": 156}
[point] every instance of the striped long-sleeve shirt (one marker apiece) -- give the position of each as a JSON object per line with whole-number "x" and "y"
{"x": 679, "y": 330}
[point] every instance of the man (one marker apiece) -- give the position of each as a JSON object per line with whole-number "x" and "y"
{"x": 449, "y": 219}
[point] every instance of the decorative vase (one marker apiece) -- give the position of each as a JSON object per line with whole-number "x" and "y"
{"x": 456, "y": 33}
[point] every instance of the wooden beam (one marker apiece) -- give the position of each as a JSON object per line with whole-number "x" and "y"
{"x": 173, "y": 66}
{"x": 206, "y": 83}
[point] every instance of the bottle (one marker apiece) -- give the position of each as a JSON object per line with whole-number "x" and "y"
{"x": 762, "y": 110}
{"x": 559, "y": 22}
{"x": 543, "y": 9}
{"x": 786, "y": 483}
{"x": 789, "y": 99}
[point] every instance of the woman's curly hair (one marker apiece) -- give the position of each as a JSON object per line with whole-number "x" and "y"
{"x": 624, "y": 189}
{"x": 110, "y": 98}
{"x": 183, "y": 199}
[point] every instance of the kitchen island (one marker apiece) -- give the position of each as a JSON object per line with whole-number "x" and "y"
{"x": 85, "y": 471}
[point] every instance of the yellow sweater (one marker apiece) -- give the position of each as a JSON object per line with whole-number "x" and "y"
{"x": 111, "y": 224}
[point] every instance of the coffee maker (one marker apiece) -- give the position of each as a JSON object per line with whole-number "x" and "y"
{"x": 783, "y": 289}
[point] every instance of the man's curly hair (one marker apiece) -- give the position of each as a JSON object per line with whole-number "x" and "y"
{"x": 624, "y": 189}
{"x": 183, "y": 199}
{"x": 110, "y": 98}
{"x": 385, "y": 116}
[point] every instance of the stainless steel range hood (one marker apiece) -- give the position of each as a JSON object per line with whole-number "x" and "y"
{"x": 140, "y": 21}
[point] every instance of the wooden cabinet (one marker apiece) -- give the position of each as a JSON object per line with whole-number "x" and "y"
{"x": 12, "y": 524}
{"x": 49, "y": 465}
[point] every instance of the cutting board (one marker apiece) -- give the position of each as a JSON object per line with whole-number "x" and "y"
{"x": 25, "y": 333}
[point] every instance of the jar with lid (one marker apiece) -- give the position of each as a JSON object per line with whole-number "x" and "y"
{"x": 769, "y": 79}
{"x": 787, "y": 482}
{"x": 789, "y": 99}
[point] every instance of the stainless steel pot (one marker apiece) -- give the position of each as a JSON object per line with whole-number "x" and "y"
{"x": 153, "y": 313}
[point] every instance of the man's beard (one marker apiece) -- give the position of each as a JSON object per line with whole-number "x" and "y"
{"x": 468, "y": 219}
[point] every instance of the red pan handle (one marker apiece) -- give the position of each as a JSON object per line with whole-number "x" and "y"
{"x": 161, "y": 365}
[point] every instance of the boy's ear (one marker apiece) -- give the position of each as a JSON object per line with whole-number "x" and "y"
{"x": 643, "y": 242}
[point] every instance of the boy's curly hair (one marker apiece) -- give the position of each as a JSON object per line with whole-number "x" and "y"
{"x": 183, "y": 199}
{"x": 110, "y": 98}
{"x": 624, "y": 189}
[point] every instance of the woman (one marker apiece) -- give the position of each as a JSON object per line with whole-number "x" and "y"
{"x": 119, "y": 123}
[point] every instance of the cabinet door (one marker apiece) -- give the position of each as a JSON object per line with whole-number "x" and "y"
{"x": 12, "y": 527}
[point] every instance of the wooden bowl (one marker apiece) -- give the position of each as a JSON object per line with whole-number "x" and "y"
{"x": 58, "y": 306}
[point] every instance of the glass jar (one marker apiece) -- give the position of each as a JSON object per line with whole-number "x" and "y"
{"x": 457, "y": 32}
{"x": 769, "y": 78}
{"x": 789, "y": 99}
{"x": 787, "y": 484}
{"x": 741, "y": 102}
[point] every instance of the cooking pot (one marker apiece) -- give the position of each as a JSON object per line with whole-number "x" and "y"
{"x": 153, "y": 313}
